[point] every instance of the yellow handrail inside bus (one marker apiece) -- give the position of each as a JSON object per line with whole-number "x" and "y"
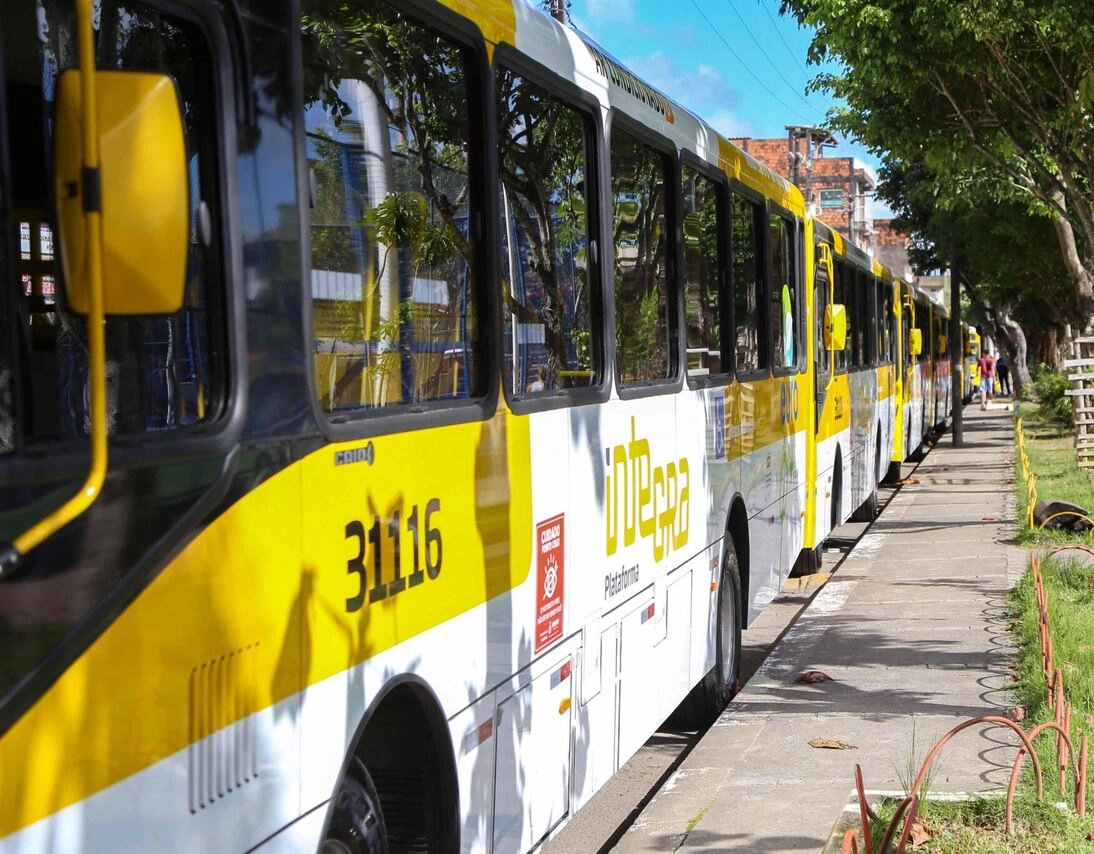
{"x": 96, "y": 333}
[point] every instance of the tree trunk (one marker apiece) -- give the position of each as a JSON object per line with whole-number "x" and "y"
{"x": 1074, "y": 262}
{"x": 1019, "y": 369}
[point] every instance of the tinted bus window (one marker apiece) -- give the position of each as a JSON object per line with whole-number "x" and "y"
{"x": 643, "y": 303}
{"x": 820, "y": 303}
{"x": 163, "y": 372}
{"x": 869, "y": 329}
{"x": 393, "y": 290}
{"x": 749, "y": 310}
{"x": 890, "y": 322}
{"x": 845, "y": 296}
{"x": 883, "y": 331}
{"x": 547, "y": 322}
{"x": 703, "y": 227}
{"x": 923, "y": 323}
{"x": 783, "y": 292}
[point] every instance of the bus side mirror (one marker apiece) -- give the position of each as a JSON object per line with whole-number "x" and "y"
{"x": 143, "y": 192}
{"x": 835, "y": 327}
{"x": 970, "y": 349}
{"x": 915, "y": 342}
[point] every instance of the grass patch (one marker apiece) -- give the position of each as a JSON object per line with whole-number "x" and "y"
{"x": 978, "y": 826}
{"x": 1051, "y": 449}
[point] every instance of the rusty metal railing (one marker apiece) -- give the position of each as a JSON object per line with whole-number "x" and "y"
{"x": 1066, "y": 759}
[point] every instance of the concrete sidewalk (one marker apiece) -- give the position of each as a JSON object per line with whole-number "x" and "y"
{"x": 912, "y": 629}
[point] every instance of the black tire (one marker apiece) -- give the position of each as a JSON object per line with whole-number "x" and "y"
{"x": 356, "y": 823}
{"x": 867, "y": 511}
{"x": 837, "y": 494}
{"x": 809, "y": 562}
{"x": 701, "y": 707}
{"x": 892, "y": 476}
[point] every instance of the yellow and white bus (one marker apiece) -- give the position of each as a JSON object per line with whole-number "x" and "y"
{"x": 854, "y": 389}
{"x": 927, "y": 383}
{"x": 970, "y": 363}
{"x": 455, "y": 407}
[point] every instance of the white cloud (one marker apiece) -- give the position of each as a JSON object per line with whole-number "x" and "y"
{"x": 728, "y": 123}
{"x": 703, "y": 90}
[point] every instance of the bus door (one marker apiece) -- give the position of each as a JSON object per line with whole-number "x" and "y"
{"x": 822, "y": 375}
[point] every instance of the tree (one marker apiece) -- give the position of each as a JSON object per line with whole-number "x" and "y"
{"x": 1016, "y": 283}
{"x": 998, "y": 89}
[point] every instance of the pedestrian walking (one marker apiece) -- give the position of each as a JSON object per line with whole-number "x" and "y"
{"x": 1003, "y": 370}
{"x": 986, "y": 363}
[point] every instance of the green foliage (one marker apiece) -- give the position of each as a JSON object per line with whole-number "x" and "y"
{"x": 992, "y": 98}
{"x": 1051, "y": 388}
{"x": 1000, "y": 237}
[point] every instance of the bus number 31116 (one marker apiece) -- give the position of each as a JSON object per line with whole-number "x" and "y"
{"x": 431, "y": 566}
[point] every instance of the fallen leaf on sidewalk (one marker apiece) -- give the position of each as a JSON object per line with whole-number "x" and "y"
{"x": 991, "y": 518}
{"x": 920, "y": 833}
{"x": 832, "y": 744}
{"x": 1017, "y": 713}
{"x": 811, "y": 676}
{"x": 909, "y": 480}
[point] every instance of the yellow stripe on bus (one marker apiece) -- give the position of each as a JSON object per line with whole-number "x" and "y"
{"x": 263, "y": 582}
{"x": 496, "y": 19}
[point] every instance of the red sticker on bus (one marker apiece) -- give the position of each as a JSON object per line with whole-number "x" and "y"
{"x": 550, "y": 580}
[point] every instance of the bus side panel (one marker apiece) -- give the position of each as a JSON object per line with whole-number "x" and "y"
{"x": 184, "y": 712}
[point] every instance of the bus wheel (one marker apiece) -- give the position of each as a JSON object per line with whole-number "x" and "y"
{"x": 356, "y": 824}
{"x": 706, "y": 700}
{"x": 867, "y": 511}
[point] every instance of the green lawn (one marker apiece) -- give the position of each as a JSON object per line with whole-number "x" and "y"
{"x": 1051, "y": 450}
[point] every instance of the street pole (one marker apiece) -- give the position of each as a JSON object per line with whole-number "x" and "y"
{"x": 957, "y": 353}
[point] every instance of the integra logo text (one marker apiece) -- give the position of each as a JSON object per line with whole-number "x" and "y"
{"x": 644, "y": 500}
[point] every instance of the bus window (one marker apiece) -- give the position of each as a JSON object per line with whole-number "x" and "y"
{"x": 783, "y": 292}
{"x": 844, "y": 295}
{"x": 643, "y": 303}
{"x": 872, "y": 344}
{"x": 393, "y": 291}
{"x": 163, "y": 372}
{"x": 703, "y": 229}
{"x": 923, "y": 322}
{"x": 862, "y": 320}
{"x": 7, "y": 316}
{"x": 883, "y": 339}
{"x": 906, "y": 328}
{"x": 748, "y": 285}
{"x": 820, "y": 303}
{"x": 890, "y": 322}
{"x": 547, "y": 324}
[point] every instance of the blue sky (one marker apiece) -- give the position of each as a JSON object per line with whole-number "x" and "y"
{"x": 736, "y": 63}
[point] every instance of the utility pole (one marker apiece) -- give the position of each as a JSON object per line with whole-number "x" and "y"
{"x": 957, "y": 352}
{"x": 559, "y": 9}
